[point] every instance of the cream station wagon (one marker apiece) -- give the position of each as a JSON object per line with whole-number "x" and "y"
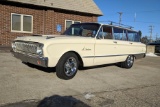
{"x": 81, "y": 45}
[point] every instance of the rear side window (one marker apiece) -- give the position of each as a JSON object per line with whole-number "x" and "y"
{"x": 120, "y": 34}
{"x": 133, "y": 36}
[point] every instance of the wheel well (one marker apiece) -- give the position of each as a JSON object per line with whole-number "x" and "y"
{"x": 79, "y": 58}
{"x": 134, "y": 56}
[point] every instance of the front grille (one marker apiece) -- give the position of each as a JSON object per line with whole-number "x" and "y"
{"x": 26, "y": 47}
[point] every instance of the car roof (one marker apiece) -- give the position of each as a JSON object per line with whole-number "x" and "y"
{"x": 111, "y": 25}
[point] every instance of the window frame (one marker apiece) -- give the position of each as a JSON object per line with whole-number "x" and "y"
{"x": 71, "y": 21}
{"x": 125, "y": 34}
{"x": 21, "y": 23}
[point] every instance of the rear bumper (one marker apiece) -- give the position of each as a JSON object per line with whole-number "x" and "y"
{"x": 36, "y": 60}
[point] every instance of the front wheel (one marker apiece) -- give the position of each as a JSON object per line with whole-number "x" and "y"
{"x": 67, "y": 66}
{"x": 128, "y": 63}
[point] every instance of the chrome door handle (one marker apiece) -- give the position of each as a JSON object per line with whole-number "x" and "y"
{"x": 114, "y": 41}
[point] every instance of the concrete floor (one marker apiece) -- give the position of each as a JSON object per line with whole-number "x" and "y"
{"x": 104, "y": 86}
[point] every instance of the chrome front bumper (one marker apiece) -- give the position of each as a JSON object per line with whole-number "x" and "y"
{"x": 36, "y": 60}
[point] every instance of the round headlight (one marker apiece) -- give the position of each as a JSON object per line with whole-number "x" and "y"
{"x": 13, "y": 45}
{"x": 40, "y": 50}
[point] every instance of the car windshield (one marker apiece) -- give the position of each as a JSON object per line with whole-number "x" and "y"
{"x": 82, "y": 29}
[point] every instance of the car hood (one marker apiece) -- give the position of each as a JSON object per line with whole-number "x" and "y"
{"x": 54, "y": 39}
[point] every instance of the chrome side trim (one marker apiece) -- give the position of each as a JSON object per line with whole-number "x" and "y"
{"x": 139, "y": 55}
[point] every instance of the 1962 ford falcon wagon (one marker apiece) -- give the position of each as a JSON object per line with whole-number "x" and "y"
{"x": 84, "y": 44}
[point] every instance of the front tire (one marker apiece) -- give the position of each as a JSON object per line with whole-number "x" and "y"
{"x": 67, "y": 66}
{"x": 128, "y": 63}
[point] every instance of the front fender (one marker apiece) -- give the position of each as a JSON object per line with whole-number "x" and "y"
{"x": 55, "y": 51}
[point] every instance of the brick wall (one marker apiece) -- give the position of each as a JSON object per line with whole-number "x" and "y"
{"x": 59, "y": 18}
{"x": 44, "y": 20}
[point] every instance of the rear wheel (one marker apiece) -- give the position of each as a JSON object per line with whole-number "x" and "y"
{"x": 67, "y": 66}
{"x": 128, "y": 63}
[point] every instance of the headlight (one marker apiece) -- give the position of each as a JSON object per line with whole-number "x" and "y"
{"x": 13, "y": 45}
{"x": 40, "y": 50}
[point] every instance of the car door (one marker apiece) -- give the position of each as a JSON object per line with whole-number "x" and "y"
{"x": 127, "y": 44}
{"x": 123, "y": 46}
{"x": 105, "y": 46}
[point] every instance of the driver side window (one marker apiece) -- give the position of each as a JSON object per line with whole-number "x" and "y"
{"x": 105, "y": 32}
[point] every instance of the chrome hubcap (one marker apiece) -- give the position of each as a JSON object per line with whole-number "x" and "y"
{"x": 70, "y": 67}
{"x": 130, "y": 60}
